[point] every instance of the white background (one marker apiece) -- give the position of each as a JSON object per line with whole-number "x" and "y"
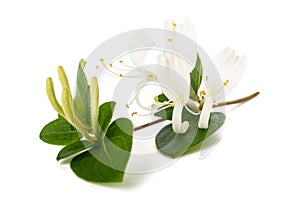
{"x": 258, "y": 155}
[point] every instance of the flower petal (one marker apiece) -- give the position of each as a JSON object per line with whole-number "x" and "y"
{"x": 230, "y": 67}
{"x": 174, "y": 86}
{"x": 205, "y": 114}
{"x": 236, "y": 73}
{"x": 177, "y": 124}
{"x": 140, "y": 41}
{"x": 189, "y": 29}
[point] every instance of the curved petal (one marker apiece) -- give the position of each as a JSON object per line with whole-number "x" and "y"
{"x": 177, "y": 124}
{"x": 230, "y": 67}
{"x": 174, "y": 86}
{"x": 186, "y": 28}
{"x": 175, "y": 63}
{"x": 236, "y": 73}
{"x": 189, "y": 29}
{"x": 205, "y": 114}
{"x": 138, "y": 42}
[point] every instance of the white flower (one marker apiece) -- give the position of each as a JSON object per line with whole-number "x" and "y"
{"x": 231, "y": 68}
{"x": 229, "y": 65}
{"x": 176, "y": 84}
{"x": 174, "y": 87}
{"x": 186, "y": 28}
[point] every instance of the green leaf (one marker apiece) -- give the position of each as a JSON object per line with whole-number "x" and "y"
{"x": 59, "y": 132}
{"x": 73, "y": 148}
{"x": 174, "y": 145}
{"x": 162, "y": 98}
{"x": 107, "y": 162}
{"x": 165, "y": 114}
{"x": 105, "y": 114}
{"x": 196, "y": 76}
{"x": 82, "y": 100}
{"x": 217, "y": 119}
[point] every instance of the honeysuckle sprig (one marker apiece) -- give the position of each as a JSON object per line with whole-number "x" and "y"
{"x": 100, "y": 148}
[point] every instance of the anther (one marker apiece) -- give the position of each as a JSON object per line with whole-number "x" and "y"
{"x": 202, "y": 93}
{"x": 226, "y": 83}
{"x": 134, "y": 113}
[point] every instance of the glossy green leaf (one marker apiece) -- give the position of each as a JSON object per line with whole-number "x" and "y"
{"x": 162, "y": 98}
{"x": 165, "y": 114}
{"x": 105, "y": 114}
{"x": 196, "y": 76}
{"x": 174, "y": 145}
{"x": 107, "y": 162}
{"x": 73, "y": 148}
{"x": 59, "y": 132}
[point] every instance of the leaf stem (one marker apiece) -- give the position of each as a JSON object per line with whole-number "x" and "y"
{"x": 241, "y": 100}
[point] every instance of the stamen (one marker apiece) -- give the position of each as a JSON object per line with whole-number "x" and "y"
{"x": 206, "y": 78}
{"x": 102, "y": 62}
{"x": 134, "y": 113}
{"x": 127, "y": 106}
{"x": 120, "y": 61}
{"x": 202, "y": 93}
{"x": 110, "y": 64}
{"x": 151, "y": 76}
{"x": 172, "y": 104}
{"x": 226, "y": 83}
{"x": 155, "y": 111}
{"x": 156, "y": 98}
{"x": 153, "y": 105}
{"x": 174, "y": 26}
{"x": 115, "y": 73}
{"x": 170, "y": 40}
{"x": 97, "y": 67}
{"x": 126, "y": 65}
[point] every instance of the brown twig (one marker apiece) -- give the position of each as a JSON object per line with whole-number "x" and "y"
{"x": 241, "y": 100}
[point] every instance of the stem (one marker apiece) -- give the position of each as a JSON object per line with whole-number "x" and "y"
{"x": 241, "y": 100}
{"x": 149, "y": 124}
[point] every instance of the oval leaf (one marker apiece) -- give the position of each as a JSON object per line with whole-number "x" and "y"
{"x": 105, "y": 114}
{"x": 196, "y": 76}
{"x": 174, "y": 145}
{"x": 59, "y": 132}
{"x": 73, "y": 148}
{"x": 107, "y": 162}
